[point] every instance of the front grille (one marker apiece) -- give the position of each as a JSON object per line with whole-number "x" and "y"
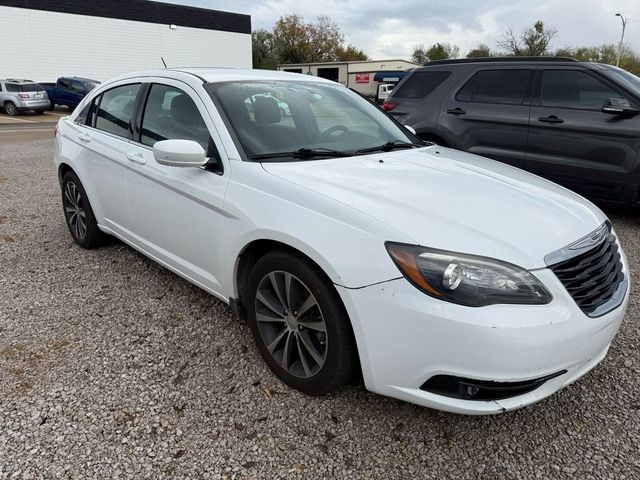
{"x": 592, "y": 278}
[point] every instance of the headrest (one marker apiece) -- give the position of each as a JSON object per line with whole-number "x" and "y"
{"x": 266, "y": 111}
{"x": 183, "y": 110}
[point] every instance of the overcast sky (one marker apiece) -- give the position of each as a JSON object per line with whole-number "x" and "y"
{"x": 391, "y": 28}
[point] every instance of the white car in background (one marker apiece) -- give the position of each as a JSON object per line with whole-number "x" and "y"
{"x": 442, "y": 278}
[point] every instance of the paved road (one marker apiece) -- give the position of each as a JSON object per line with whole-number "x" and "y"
{"x": 113, "y": 367}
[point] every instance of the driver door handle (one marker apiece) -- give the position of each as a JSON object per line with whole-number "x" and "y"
{"x": 551, "y": 119}
{"x": 456, "y": 111}
{"x": 83, "y": 137}
{"x": 136, "y": 158}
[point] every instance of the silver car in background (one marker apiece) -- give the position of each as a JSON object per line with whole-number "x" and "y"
{"x": 17, "y": 96}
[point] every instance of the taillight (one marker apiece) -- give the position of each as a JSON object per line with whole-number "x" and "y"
{"x": 388, "y": 106}
{"x": 24, "y": 95}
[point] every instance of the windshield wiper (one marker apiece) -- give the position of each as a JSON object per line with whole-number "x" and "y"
{"x": 302, "y": 153}
{"x": 387, "y": 147}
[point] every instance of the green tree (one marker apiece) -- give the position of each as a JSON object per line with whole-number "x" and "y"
{"x": 295, "y": 41}
{"x": 532, "y": 42}
{"x": 482, "y": 50}
{"x": 607, "y": 53}
{"x": 442, "y": 51}
{"x": 263, "y": 49}
{"x": 437, "y": 51}
{"x": 351, "y": 53}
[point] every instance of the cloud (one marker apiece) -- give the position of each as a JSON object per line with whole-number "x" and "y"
{"x": 392, "y": 28}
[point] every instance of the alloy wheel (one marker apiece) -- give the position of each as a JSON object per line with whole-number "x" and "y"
{"x": 75, "y": 211}
{"x": 11, "y": 109}
{"x": 291, "y": 324}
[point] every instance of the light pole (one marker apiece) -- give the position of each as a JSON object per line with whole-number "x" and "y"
{"x": 624, "y": 25}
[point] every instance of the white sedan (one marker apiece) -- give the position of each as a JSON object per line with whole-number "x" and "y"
{"x": 353, "y": 248}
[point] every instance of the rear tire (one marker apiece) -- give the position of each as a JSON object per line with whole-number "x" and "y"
{"x": 79, "y": 214}
{"x": 11, "y": 109}
{"x": 52, "y": 106}
{"x": 299, "y": 323}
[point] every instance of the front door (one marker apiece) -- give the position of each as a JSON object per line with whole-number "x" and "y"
{"x": 573, "y": 143}
{"x": 177, "y": 213}
{"x": 489, "y": 114}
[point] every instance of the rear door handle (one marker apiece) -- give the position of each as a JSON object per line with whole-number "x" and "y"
{"x": 456, "y": 111}
{"x": 136, "y": 158}
{"x": 550, "y": 119}
{"x": 83, "y": 137}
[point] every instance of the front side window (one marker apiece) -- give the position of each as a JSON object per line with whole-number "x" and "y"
{"x": 574, "y": 89}
{"x": 420, "y": 84}
{"x": 171, "y": 114}
{"x": 115, "y": 109}
{"x": 496, "y": 86}
{"x": 77, "y": 87}
{"x": 287, "y": 116}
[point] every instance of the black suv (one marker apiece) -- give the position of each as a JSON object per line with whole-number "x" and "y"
{"x": 574, "y": 123}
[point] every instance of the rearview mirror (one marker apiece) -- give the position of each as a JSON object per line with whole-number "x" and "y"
{"x": 618, "y": 106}
{"x": 179, "y": 153}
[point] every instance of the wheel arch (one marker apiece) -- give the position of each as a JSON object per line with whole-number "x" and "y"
{"x": 63, "y": 168}
{"x": 256, "y": 249}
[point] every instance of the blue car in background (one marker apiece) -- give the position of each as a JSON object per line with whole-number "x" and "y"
{"x": 68, "y": 91}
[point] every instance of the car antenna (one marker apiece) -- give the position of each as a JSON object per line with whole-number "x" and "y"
{"x": 163, "y": 62}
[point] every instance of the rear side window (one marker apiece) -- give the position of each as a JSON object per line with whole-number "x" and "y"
{"x": 574, "y": 89}
{"x": 115, "y": 109}
{"x": 169, "y": 114}
{"x": 24, "y": 87}
{"x": 420, "y": 84}
{"x": 496, "y": 86}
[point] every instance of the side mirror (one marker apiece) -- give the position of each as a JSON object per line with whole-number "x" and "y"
{"x": 411, "y": 129}
{"x": 618, "y": 106}
{"x": 179, "y": 153}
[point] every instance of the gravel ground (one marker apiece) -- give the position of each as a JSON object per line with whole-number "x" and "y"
{"x": 112, "y": 367}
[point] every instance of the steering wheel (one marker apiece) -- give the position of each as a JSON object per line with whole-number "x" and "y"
{"x": 336, "y": 128}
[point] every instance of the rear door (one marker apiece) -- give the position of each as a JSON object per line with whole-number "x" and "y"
{"x": 571, "y": 141}
{"x": 103, "y": 132}
{"x": 488, "y": 113}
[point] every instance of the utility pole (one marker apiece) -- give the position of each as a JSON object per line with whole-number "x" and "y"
{"x": 624, "y": 25}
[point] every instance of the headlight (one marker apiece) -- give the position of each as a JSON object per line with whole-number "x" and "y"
{"x": 467, "y": 279}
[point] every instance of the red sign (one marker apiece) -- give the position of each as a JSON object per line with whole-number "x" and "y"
{"x": 362, "y": 78}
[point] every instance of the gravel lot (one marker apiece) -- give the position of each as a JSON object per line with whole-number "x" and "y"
{"x": 112, "y": 367}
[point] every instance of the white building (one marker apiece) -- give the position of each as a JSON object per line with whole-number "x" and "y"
{"x": 42, "y": 39}
{"x": 363, "y": 76}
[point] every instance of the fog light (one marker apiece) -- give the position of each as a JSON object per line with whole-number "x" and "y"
{"x": 452, "y": 276}
{"x": 471, "y": 390}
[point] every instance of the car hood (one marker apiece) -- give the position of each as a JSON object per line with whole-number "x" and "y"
{"x": 451, "y": 200}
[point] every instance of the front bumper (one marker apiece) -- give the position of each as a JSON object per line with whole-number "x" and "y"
{"x": 405, "y": 337}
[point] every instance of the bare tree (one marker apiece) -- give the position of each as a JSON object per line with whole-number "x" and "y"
{"x": 534, "y": 41}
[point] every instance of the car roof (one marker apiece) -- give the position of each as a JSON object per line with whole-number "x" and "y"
{"x": 492, "y": 62}
{"x": 216, "y": 75}
{"x": 16, "y": 80}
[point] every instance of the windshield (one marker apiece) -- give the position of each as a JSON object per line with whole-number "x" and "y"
{"x": 317, "y": 119}
{"x": 91, "y": 84}
{"x": 627, "y": 78}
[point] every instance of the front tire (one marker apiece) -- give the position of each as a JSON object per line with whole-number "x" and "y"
{"x": 79, "y": 214}
{"x": 11, "y": 109}
{"x": 299, "y": 323}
